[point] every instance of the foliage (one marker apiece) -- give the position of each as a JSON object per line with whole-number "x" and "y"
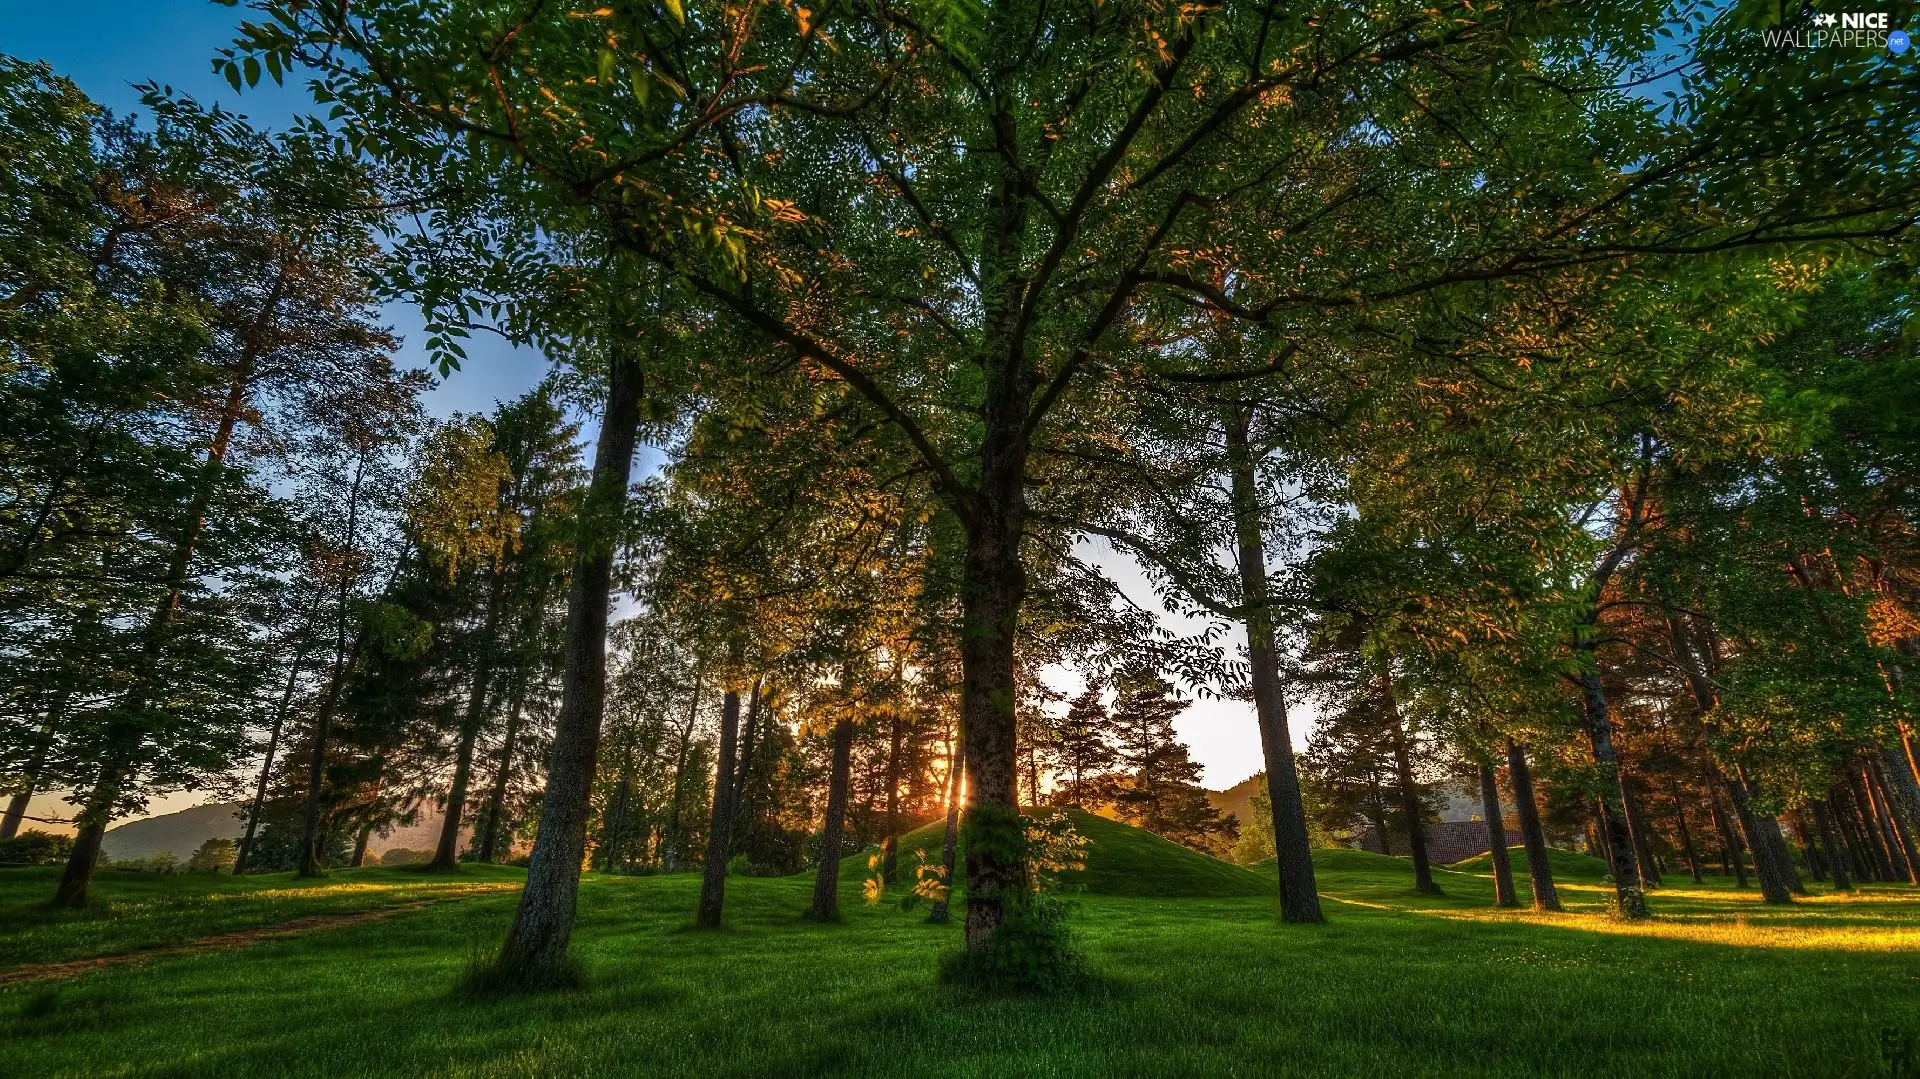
{"x": 35, "y": 847}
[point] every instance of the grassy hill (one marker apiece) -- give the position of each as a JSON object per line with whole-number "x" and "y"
{"x": 182, "y": 832}
{"x": 1567, "y": 864}
{"x": 1121, "y": 861}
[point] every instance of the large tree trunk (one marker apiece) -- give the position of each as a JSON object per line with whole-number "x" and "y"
{"x": 446, "y": 857}
{"x": 1539, "y": 869}
{"x": 1779, "y": 881}
{"x": 1503, "y": 893}
{"x": 891, "y": 842}
{"x": 826, "y": 880}
{"x": 956, "y": 768}
{"x": 1409, "y": 791}
{"x": 713, "y": 882}
{"x": 536, "y": 946}
{"x": 1292, "y": 851}
{"x": 1629, "y": 900}
{"x": 1836, "y": 857}
{"x": 993, "y": 586}
{"x": 503, "y": 774}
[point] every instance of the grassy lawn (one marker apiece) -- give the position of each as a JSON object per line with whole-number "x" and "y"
{"x": 139, "y": 911}
{"x": 1395, "y": 984}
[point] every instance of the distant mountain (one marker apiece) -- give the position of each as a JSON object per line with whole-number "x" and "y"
{"x": 182, "y": 832}
{"x": 1238, "y": 799}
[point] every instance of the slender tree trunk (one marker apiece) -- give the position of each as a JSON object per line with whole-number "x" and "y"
{"x": 672, "y": 840}
{"x": 1903, "y": 794}
{"x": 343, "y": 661}
{"x": 1899, "y": 839}
{"x": 536, "y": 946}
{"x": 1539, "y": 869}
{"x": 1809, "y": 850}
{"x": 826, "y": 880}
{"x": 1836, "y": 857}
{"x": 127, "y": 731}
{"x": 1729, "y": 839}
{"x": 956, "y": 769}
{"x": 1847, "y": 819}
{"x": 1629, "y": 900}
{"x": 360, "y": 845}
{"x": 890, "y": 857}
{"x": 446, "y": 858}
{"x": 1870, "y": 826}
{"x": 1503, "y": 893}
{"x": 1292, "y": 850}
{"x": 1409, "y": 791}
{"x": 713, "y": 883}
{"x": 244, "y": 857}
{"x": 30, "y": 777}
{"x": 1686, "y": 834}
{"x": 503, "y": 775}
{"x": 1637, "y": 827}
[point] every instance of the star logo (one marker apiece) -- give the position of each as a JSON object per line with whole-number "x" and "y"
{"x": 1824, "y": 19}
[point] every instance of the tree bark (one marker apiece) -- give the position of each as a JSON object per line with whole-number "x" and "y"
{"x": 1836, "y": 857}
{"x": 536, "y": 945}
{"x": 674, "y": 838}
{"x": 993, "y": 586}
{"x": 890, "y": 844}
{"x": 1729, "y": 839}
{"x": 323, "y": 720}
{"x": 713, "y": 882}
{"x": 1292, "y": 850}
{"x": 245, "y": 854}
{"x": 30, "y": 777}
{"x": 1629, "y": 900}
{"x": 1899, "y": 839}
{"x": 1409, "y": 792}
{"x": 497, "y": 796}
{"x": 1637, "y": 828}
{"x": 446, "y": 857}
{"x": 1503, "y": 893}
{"x": 826, "y": 880}
{"x": 126, "y": 732}
{"x": 1686, "y": 833}
{"x": 1539, "y": 869}
{"x": 956, "y": 769}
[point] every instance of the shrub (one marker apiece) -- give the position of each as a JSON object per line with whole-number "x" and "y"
{"x": 1032, "y": 951}
{"x": 214, "y": 856}
{"x": 165, "y": 862}
{"x": 403, "y": 856}
{"x": 35, "y": 847}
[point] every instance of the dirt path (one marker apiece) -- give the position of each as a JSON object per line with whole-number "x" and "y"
{"x": 240, "y": 938}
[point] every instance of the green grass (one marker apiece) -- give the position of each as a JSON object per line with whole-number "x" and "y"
{"x": 1567, "y": 864}
{"x": 1395, "y": 984}
{"x": 1121, "y": 861}
{"x": 139, "y": 911}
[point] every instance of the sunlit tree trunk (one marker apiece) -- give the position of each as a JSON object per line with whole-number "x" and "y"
{"x": 1539, "y": 869}
{"x": 536, "y": 946}
{"x": 826, "y": 880}
{"x": 891, "y": 841}
{"x": 1629, "y": 900}
{"x": 956, "y": 770}
{"x": 1503, "y": 893}
{"x": 1292, "y": 850}
{"x": 713, "y": 882}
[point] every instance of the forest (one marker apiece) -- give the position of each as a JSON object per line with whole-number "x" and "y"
{"x": 1505, "y": 405}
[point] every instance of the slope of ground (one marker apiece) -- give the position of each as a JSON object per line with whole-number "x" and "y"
{"x": 1720, "y": 985}
{"x": 1567, "y": 864}
{"x": 1121, "y": 860}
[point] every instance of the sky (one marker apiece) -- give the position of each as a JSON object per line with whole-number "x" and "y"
{"x": 108, "y": 46}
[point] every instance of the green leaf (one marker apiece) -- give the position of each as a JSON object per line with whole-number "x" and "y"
{"x": 253, "y": 71}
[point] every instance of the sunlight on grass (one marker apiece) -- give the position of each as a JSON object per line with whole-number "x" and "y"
{"x": 1794, "y": 927}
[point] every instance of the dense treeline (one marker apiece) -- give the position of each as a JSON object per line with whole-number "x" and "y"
{"x": 1551, "y": 436}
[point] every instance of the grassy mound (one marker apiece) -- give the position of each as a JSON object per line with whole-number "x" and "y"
{"x": 1121, "y": 860}
{"x": 1567, "y": 865}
